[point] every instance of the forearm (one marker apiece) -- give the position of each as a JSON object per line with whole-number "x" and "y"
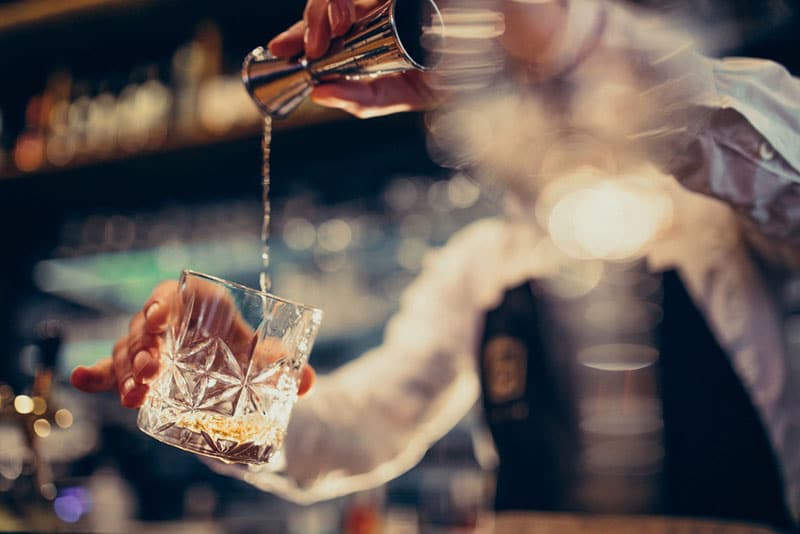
{"x": 339, "y": 443}
{"x": 375, "y": 418}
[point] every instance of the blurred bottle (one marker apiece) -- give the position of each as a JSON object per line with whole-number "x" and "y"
{"x": 61, "y": 145}
{"x": 101, "y": 124}
{"x": 192, "y": 64}
{"x": 29, "y": 147}
{"x": 155, "y": 105}
{"x": 78, "y": 119}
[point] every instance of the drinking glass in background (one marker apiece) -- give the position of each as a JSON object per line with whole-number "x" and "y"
{"x": 231, "y": 362}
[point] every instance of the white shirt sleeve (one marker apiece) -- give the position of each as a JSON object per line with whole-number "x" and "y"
{"x": 374, "y": 418}
{"x": 728, "y": 128}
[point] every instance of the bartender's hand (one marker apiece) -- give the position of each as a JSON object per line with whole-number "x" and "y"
{"x": 135, "y": 362}
{"x": 530, "y": 28}
{"x": 322, "y": 21}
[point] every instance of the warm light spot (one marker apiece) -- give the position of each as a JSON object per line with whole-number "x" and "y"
{"x": 618, "y": 356}
{"x": 334, "y": 235}
{"x": 29, "y": 152}
{"x": 610, "y": 220}
{"x": 41, "y": 427}
{"x": 299, "y": 234}
{"x": 23, "y": 404}
{"x": 642, "y": 456}
{"x": 64, "y": 418}
{"x": 462, "y": 192}
{"x": 39, "y": 405}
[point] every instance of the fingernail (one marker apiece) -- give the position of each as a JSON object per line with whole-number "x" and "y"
{"x": 313, "y": 44}
{"x": 278, "y": 38}
{"x": 335, "y": 16}
{"x": 140, "y": 362}
{"x": 151, "y": 310}
{"x": 127, "y": 386}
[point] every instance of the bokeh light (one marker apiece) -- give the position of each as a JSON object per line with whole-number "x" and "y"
{"x": 23, "y": 404}
{"x": 64, "y": 418}
{"x": 42, "y": 428}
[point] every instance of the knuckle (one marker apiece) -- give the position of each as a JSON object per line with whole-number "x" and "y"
{"x": 120, "y": 344}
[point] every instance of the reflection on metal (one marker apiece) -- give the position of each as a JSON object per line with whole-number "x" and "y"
{"x": 390, "y": 39}
{"x": 618, "y": 356}
{"x": 621, "y": 417}
{"x": 629, "y": 316}
{"x": 638, "y": 456}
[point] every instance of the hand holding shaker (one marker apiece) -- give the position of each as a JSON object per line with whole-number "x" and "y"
{"x": 395, "y": 37}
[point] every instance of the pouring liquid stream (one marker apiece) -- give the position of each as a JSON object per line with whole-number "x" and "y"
{"x": 264, "y": 279}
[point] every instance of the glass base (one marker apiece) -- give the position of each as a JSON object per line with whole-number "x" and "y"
{"x": 216, "y": 440}
{"x": 247, "y": 453}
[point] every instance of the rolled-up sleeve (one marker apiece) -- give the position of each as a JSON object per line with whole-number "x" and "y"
{"x": 749, "y": 153}
{"x": 727, "y": 128}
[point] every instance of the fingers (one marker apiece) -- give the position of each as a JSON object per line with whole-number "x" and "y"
{"x": 131, "y": 393}
{"x": 289, "y": 43}
{"x": 141, "y": 351}
{"x": 95, "y": 378}
{"x": 146, "y": 366}
{"x": 341, "y": 15}
{"x": 372, "y": 98}
{"x": 318, "y": 28}
{"x": 322, "y": 20}
{"x": 269, "y": 351}
{"x": 157, "y": 309}
{"x": 144, "y": 333}
{"x": 307, "y": 380}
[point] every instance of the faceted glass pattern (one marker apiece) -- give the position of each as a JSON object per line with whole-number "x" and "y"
{"x": 231, "y": 361}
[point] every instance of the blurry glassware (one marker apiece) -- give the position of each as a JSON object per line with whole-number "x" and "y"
{"x": 29, "y": 151}
{"x": 154, "y": 102}
{"x": 401, "y": 195}
{"x": 61, "y": 149}
{"x": 391, "y": 38}
{"x": 102, "y": 128}
{"x": 299, "y": 233}
{"x": 334, "y": 235}
{"x": 232, "y": 360}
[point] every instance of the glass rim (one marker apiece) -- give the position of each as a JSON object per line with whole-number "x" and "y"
{"x": 242, "y": 287}
{"x": 393, "y": 22}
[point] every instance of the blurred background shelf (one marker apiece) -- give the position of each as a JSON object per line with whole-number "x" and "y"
{"x": 19, "y": 14}
{"x": 307, "y": 116}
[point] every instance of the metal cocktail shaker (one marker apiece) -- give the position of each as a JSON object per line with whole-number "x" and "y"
{"x": 397, "y": 36}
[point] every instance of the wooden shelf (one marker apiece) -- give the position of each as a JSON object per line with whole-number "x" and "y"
{"x": 31, "y": 12}
{"x": 307, "y": 115}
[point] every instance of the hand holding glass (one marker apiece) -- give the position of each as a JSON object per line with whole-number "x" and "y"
{"x": 231, "y": 362}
